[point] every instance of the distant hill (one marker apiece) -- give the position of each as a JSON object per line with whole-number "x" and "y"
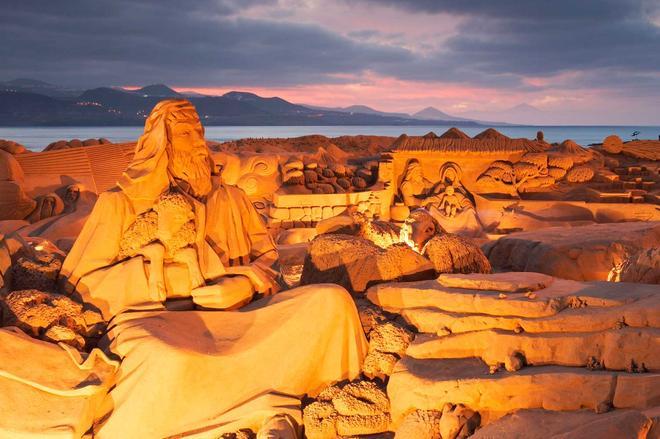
{"x": 521, "y": 113}
{"x": 362, "y": 109}
{"x": 25, "y": 85}
{"x": 118, "y": 106}
{"x": 433, "y": 113}
{"x": 158, "y": 90}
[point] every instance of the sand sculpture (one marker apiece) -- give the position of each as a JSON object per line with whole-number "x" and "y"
{"x": 172, "y": 156}
{"x": 297, "y": 288}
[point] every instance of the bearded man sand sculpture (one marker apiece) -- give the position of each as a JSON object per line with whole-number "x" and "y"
{"x": 204, "y": 373}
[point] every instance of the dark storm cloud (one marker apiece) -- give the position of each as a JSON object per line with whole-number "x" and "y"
{"x": 612, "y": 43}
{"x": 506, "y": 40}
{"x": 527, "y": 9}
{"x": 122, "y": 42}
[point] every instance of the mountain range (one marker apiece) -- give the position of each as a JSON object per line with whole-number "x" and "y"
{"x": 28, "y": 102}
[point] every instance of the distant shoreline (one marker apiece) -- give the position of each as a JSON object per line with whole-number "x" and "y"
{"x": 38, "y": 137}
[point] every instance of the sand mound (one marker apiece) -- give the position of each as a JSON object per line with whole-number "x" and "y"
{"x": 12, "y": 147}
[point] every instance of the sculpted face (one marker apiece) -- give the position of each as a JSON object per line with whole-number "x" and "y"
{"x": 72, "y": 194}
{"x": 189, "y": 157}
{"x": 416, "y": 174}
{"x": 450, "y": 176}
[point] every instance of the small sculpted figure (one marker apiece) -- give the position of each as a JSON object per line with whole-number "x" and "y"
{"x": 448, "y": 252}
{"x": 449, "y": 202}
{"x": 48, "y": 205}
{"x": 165, "y": 233}
{"x": 71, "y": 195}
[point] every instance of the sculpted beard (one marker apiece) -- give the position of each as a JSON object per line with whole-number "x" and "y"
{"x": 193, "y": 169}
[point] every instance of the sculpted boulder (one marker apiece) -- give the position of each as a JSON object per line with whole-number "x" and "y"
{"x": 356, "y": 408}
{"x": 10, "y": 170}
{"x": 455, "y": 254}
{"x": 642, "y": 266}
{"x": 356, "y": 263}
{"x": 49, "y": 316}
{"x": 580, "y": 253}
{"x": 613, "y": 144}
{"x": 14, "y": 203}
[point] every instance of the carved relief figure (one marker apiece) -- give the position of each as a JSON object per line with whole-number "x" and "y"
{"x": 414, "y": 187}
{"x": 451, "y": 197}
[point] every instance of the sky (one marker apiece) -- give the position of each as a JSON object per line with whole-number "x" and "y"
{"x": 575, "y": 61}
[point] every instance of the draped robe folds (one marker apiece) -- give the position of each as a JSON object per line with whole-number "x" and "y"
{"x": 229, "y": 232}
{"x": 202, "y": 373}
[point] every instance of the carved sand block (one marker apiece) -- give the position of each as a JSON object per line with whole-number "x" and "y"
{"x": 575, "y": 424}
{"x": 396, "y": 297}
{"x": 430, "y": 383}
{"x": 638, "y": 314}
{"x": 563, "y": 306}
{"x": 505, "y": 282}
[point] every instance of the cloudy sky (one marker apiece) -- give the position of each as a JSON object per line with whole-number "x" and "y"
{"x": 578, "y": 61}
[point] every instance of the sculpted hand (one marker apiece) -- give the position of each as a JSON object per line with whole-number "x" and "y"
{"x": 226, "y": 293}
{"x": 262, "y": 281}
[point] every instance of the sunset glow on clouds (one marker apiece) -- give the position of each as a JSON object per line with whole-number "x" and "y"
{"x": 593, "y": 61}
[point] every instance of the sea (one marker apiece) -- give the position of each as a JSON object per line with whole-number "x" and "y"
{"x": 37, "y": 138}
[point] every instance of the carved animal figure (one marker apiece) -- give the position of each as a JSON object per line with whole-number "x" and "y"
{"x": 418, "y": 229}
{"x": 167, "y": 232}
{"x": 381, "y": 233}
{"x": 449, "y": 253}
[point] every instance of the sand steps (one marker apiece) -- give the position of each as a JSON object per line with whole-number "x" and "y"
{"x": 558, "y": 296}
{"x": 522, "y": 341}
{"x": 615, "y": 349}
{"x": 639, "y": 314}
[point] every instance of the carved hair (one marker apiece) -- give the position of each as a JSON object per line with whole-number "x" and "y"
{"x": 147, "y": 175}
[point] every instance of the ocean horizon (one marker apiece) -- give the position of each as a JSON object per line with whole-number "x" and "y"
{"x": 37, "y": 138}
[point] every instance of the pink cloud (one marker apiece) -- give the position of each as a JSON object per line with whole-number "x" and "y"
{"x": 380, "y": 92}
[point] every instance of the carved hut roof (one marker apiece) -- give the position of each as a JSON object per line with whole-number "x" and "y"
{"x": 486, "y": 142}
